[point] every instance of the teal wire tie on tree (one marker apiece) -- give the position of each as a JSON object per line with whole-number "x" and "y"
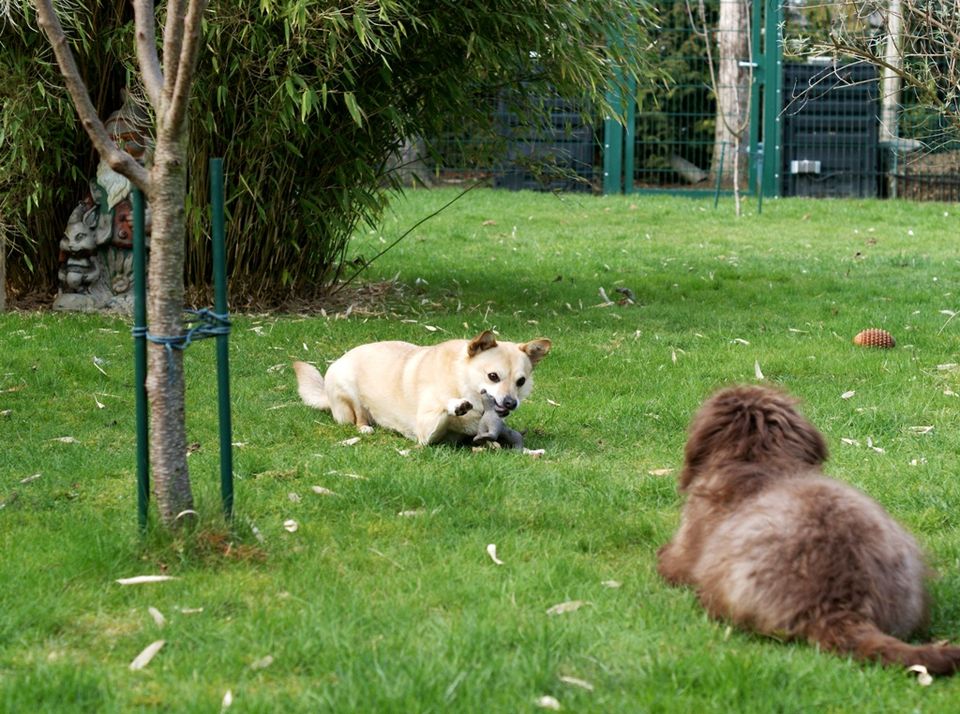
{"x": 203, "y": 323}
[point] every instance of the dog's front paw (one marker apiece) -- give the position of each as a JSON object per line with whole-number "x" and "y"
{"x": 458, "y": 407}
{"x": 365, "y": 429}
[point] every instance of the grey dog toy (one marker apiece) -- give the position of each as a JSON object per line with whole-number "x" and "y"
{"x": 493, "y": 428}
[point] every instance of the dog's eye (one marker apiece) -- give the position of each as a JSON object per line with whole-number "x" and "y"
{"x": 521, "y": 381}
{"x": 493, "y": 377}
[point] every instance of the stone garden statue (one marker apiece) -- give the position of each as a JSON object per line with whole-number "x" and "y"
{"x": 96, "y": 251}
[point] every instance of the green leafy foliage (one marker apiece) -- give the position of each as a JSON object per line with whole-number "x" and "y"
{"x": 45, "y": 158}
{"x": 309, "y": 100}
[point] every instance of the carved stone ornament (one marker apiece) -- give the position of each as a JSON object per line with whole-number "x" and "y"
{"x": 96, "y": 250}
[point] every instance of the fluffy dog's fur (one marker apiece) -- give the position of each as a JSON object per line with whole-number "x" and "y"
{"x": 771, "y": 544}
{"x": 427, "y": 393}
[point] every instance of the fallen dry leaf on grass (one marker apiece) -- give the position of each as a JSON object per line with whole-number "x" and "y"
{"x": 492, "y": 552}
{"x": 548, "y": 702}
{"x": 321, "y": 491}
{"x": 351, "y": 441}
{"x": 564, "y": 607}
{"x": 756, "y": 370}
{"x": 227, "y": 700}
{"x": 290, "y": 525}
{"x": 921, "y": 429}
{"x": 142, "y": 579}
{"x": 411, "y": 514}
{"x": 577, "y": 682}
{"x": 143, "y": 659}
{"x": 97, "y": 362}
{"x": 28, "y": 479}
{"x": 611, "y": 583}
{"x": 65, "y": 440}
{"x": 262, "y": 663}
{"x": 847, "y": 395}
{"x": 923, "y": 676}
{"x": 157, "y": 616}
{"x": 334, "y": 472}
{"x": 660, "y": 472}
{"x": 534, "y": 453}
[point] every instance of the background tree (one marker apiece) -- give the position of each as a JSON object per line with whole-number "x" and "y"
{"x": 728, "y": 59}
{"x": 308, "y": 100}
{"x": 913, "y": 44}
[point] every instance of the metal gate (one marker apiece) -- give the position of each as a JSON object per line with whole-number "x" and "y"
{"x": 677, "y": 140}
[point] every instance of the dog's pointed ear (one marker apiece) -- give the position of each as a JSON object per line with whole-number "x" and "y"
{"x": 536, "y": 350}
{"x": 484, "y": 341}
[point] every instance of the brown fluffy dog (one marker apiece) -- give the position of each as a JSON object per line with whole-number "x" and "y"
{"x": 773, "y": 545}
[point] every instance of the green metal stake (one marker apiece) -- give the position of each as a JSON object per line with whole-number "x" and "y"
{"x": 716, "y": 191}
{"x": 612, "y": 149}
{"x": 630, "y": 137}
{"x": 772, "y": 99}
{"x": 140, "y": 356}
{"x": 223, "y": 354}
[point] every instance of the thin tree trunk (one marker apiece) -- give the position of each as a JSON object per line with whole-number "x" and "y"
{"x": 732, "y": 90}
{"x": 890, "y": 99}
{"x": 165, "y": 379}
{"x": 168, "y": 89}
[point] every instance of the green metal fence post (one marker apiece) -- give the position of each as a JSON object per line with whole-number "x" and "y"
{"x": 630, "y": 136}
{"x": 613, "y": 145}
{"x": 223, "y": 354}
{"x": 772, "y": 99}
{"x": 140, "y": 357}
{"x": 756, "y": 52}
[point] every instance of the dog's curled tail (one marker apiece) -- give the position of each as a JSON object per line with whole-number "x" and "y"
{"x": 310, "y": 386}
{"x": 861, "y": 638}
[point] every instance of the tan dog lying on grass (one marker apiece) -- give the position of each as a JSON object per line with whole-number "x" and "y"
{"x": 773, "y": 545}
{"x": 429, "y": 394}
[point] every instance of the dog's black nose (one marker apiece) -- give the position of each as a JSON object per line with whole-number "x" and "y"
{"x": 509, "y": 403}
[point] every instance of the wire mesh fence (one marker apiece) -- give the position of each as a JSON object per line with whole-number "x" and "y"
{"x": 750, "y": 107}
{"x": 697, "y": 128}
{"x": 560, "y": 152}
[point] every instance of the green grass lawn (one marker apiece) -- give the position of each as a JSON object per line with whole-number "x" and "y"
{"x": 365, "y": 609}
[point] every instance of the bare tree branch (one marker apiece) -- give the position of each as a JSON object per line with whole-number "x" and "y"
{"x": 172, "y": 41}
{"x": 146, "y": 42}
{"x": 118, "y": 160}
{"x": 188, "y": 62}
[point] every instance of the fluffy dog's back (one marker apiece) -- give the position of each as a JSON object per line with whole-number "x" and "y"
{"x": 775, "y": 546}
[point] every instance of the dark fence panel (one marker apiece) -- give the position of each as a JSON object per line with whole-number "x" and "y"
{"x": 830, "y": 131}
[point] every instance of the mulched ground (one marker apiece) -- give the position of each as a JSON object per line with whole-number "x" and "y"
{"x": 364, "y": 299}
